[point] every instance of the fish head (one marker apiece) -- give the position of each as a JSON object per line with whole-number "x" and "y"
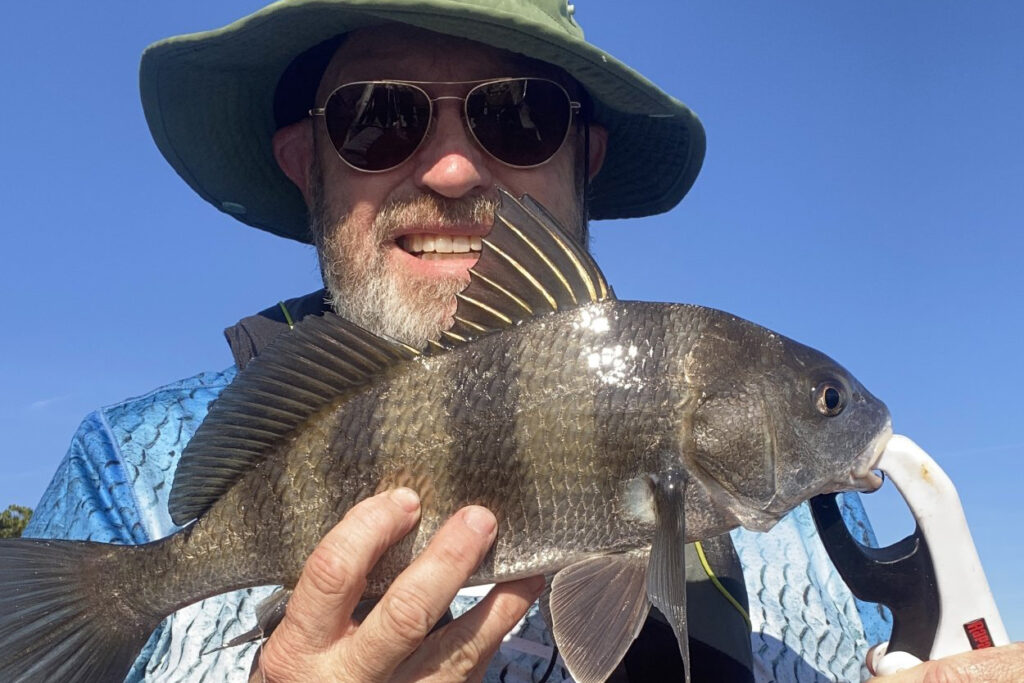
{"x": 775, "y": 422}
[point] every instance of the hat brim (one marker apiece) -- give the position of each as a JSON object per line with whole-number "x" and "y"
{"x": 208, "y": 99}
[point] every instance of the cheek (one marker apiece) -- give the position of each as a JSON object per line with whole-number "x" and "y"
{"x": 352, "y": 217}
{"x": 350, "y": 239}
{"x": 348, "y": 191}
{"x": 552, "y": 184}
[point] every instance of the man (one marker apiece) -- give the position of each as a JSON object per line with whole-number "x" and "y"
{"x": 261, "y": 118}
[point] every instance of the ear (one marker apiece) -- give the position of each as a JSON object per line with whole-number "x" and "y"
{"x": 293, "y": 150}
{"x": 598, "y": 147}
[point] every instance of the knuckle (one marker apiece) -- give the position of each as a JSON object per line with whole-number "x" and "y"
{"x": 267, "y": 663}
{"x": 279, "y": 661}
{"x": 407, "y": 614}
{"x": 364, "y": 522}
{"x": 458, "y": 556}
{"x": 508, "y": 611}
{"x": 464, "y": 652}
{"x": 369, "y": 525}
{"x": 355, "y": 666}
{"x": 944, "y": 672}
{"x": 331, "y": 573}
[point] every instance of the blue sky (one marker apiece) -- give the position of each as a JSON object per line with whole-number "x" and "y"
{"x": 861, "y": 194}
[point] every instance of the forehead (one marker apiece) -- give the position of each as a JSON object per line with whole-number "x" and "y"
{"x": 405, "y": 53}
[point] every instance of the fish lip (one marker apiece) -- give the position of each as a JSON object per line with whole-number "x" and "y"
{"x": 863, "y": 474}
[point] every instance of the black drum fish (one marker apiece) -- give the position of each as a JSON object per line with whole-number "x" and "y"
{"x": 603, "y": 434}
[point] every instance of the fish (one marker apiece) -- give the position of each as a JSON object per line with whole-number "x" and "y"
{"x": 603, "y": 434}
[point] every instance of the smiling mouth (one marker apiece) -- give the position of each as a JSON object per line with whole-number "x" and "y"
{"x": 435, "y": 247}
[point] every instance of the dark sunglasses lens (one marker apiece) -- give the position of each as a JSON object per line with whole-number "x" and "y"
{"x": 377, "y": 126}
{"x": 522, "y": 122}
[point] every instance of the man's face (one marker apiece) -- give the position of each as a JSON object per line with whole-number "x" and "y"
{"x": 373, "y": 229}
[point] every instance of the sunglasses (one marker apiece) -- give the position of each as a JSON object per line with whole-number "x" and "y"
{"x": 377, "y": 125}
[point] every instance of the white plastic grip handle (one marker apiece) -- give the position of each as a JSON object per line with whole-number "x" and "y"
{"x": 968, "y": 610}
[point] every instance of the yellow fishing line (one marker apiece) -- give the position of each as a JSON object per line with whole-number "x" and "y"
{"x": 287, "y": 315}
{"x": 718, "y": 584}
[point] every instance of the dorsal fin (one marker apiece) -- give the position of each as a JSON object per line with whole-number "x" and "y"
{"x": 528, "y": 266}
{"x": 303, "y": 370}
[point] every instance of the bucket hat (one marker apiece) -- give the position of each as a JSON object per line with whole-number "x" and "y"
{"x": 209, "y": 101}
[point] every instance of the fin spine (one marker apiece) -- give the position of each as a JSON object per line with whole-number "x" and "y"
{"x": 544, "y": 258}
{"x": 493, "y": 311}
{"x": 494, "y": 285}
{"x": 527, "y": 275}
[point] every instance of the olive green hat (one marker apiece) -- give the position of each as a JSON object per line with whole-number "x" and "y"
{"x": 209, "y": 101}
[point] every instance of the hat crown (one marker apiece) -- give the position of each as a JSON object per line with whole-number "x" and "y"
{"x": 561, "y": 12}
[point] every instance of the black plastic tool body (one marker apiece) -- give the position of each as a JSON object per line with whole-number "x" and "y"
{"x": 900, "y": 576}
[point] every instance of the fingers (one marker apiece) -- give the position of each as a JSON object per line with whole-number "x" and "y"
{"x": 317, "y": 640}
{"x": 332, "y": 582}
{"x": 994, "y": 665}
{"x": 881, "y": 662}
{"x": 463, "y": 649}
{"x": 421, "y": 594}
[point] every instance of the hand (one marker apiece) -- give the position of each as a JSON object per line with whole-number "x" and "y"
{"x": 992, "y": 665}
{"x": 318, "y": 640}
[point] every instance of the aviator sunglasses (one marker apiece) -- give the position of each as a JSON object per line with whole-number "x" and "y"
{"x": 377, "y": 125}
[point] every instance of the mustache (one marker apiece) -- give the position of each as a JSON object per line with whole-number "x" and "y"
{"x": 434, "y": 210}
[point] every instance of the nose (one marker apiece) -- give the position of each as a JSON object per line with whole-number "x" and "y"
{"x": 450, "y": 163}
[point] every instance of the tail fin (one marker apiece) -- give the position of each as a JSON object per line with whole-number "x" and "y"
{"x": 63, "y": 614}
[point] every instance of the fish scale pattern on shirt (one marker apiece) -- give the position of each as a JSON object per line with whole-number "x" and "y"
{"x": 807, "y": 627}
{"x": 113, "y": 485}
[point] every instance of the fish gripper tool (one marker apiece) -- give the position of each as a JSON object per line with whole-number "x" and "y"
{"x": 932, "y": 580}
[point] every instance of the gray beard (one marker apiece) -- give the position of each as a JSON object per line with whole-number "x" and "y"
{"x": 366, "y": 291}
{"x": 376, "y": 303}
{"x": 375, "y": 297}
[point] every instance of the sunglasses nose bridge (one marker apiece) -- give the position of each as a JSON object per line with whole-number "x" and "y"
{"x": 448, "y": 117}
{"x": 440, "y": 104}
{"x": 448, "y": 97}
{"x": 450, "y": 162}
{"x": 464, "y": 124}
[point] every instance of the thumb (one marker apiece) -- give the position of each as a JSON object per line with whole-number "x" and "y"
{"x": 880, "y": 662}
{"x": 992, "y": 665}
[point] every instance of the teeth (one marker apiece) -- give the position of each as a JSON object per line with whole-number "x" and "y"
{"x": 441, "y": 244}
{"x": 434, "y": 256}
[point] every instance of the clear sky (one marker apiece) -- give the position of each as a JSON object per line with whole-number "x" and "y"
{"x": 862, "y": 194}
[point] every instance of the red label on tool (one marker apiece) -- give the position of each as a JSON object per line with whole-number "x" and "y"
{"x": 977, "y": 633}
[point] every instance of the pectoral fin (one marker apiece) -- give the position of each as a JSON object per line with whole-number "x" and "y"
{"x": 269, "y": 613}
{"x": 597, "y": 608}
{"x": 666, "y": 571}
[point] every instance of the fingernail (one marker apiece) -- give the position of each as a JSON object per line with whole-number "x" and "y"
{"x": 479, "y": 520}
{"x": 406, "y": 498}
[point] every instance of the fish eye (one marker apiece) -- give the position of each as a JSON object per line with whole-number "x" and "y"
{"x": 830, "y": 398}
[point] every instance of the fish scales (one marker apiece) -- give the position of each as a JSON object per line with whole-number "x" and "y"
{"x": 512, "y": 423}
{"x": 603, "y": 435}
{"x": 586, "y": 415}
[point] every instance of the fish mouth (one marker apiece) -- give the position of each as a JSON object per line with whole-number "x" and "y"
{"x": 863, "y": 474}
